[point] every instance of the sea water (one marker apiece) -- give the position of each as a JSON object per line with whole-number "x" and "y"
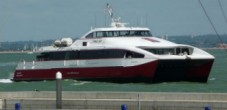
{"x": 216, "y": 83}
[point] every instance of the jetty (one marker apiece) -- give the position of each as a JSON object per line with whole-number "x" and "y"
{"x": 46, "y": 100}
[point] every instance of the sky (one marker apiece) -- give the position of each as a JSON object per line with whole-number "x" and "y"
{"x": 23, "y": 20}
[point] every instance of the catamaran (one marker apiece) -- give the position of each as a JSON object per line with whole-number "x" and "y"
{"x": 118, "y": 52}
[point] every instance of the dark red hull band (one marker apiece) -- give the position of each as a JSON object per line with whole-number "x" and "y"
{"x": 144, "y": 70}
{"x": 157, "y": 71}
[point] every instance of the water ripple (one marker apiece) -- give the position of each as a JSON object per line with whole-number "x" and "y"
{"x": 78, "y": 83}
{"x": 212, "y": 79}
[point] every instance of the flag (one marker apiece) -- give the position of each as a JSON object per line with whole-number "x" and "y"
{"x": 110, "y": 10}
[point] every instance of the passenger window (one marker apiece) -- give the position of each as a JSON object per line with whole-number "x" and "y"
{"x": 58, "y": 55}
{"x": 99, "y": 54}
{"x": 137, "y": 33}
{"x": 178, "y": 51}
{"x": 70, "y": 55}
{"x": 132, "y": 33}
{"x": 89, "y": 35}
{"x": 185, "y": 51}
{"x": 148, "y": 33}
{"x": 130, "y": 54}
{"x": 137, "y": 55}
{"x": 99, "y": 34}
{"x": 116, "y": 33}
{"x": 43, "y": 57}
{"x": 104, "y": 34}
{"x": 109, "y": 33}
{"x": 124, "y": 33}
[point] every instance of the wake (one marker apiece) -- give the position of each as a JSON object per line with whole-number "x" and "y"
{"x": 6, "y": 81}
{"x": 78, "y": 83}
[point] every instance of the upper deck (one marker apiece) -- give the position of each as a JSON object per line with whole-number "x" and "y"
{"x": 118, "y": 32}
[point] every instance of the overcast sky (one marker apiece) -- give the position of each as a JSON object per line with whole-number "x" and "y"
{"x": 54, "y": 19}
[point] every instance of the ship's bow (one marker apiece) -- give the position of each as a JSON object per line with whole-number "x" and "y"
{"x": 197, "y": 70}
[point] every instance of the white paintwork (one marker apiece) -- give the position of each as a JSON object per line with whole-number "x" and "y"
{"x": 126, "y": 43}
{"x": 131, "y": 43}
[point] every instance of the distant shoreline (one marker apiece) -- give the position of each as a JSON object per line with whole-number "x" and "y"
{"x": 214, "y": 48}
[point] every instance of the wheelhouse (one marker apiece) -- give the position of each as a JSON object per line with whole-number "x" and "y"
{"x": 118, "y": 33}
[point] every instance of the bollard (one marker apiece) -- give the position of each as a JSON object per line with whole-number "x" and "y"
{"x": 58, "y": 90}
{"x": 17, "y": 106}
{"x": 124, "y": 107}
{"x": 207, "y": 108}
{"x": 139, "y": 102}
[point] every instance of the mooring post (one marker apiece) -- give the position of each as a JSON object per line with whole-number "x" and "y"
{"x": 58, "y": 90}
{"x": 138, "y": 101}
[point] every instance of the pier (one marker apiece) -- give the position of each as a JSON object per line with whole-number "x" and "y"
{"x": 46, "y": 100}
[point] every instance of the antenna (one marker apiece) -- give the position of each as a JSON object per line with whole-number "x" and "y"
{"x": 146, "y": 20}
{"x": 105, "y": 19}
{"x": 95, "y": 20}
{"x": 115, "y": 21}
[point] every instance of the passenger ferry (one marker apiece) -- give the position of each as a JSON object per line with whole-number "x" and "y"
{"x": 119, "y": 53}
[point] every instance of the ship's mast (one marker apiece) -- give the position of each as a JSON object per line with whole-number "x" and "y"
{"x": 115, "y": 21}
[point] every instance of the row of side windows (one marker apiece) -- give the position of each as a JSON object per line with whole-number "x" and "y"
{"x": 118, "y": 34}
{"x": 88, "y": 54}
{"x": 170, "y": 51}
{"x": 63, "y": 55}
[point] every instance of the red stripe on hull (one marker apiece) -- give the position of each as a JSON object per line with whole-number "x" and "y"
{"x": 145, "y": 70}
{"x": 157, "y": 71}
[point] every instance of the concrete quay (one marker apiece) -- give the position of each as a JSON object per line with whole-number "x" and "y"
{"x": 46, "y": 100}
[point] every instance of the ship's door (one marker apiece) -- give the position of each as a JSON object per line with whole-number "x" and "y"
{"x": 127, "y": 58}
{"x": 132, "y": 58}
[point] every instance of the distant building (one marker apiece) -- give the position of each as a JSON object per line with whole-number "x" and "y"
{"x": 222, "y": 45}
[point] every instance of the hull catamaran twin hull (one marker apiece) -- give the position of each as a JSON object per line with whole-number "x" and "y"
{"x": 143, "y": 62}
{"x": 156, "y": 71}
{"x": 118, "y": 53}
